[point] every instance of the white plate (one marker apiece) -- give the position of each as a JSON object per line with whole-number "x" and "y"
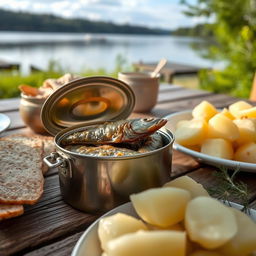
{"x": 4, "y": 122}
{"x": 89, "y": 245}
{"x": 173, "y": 119}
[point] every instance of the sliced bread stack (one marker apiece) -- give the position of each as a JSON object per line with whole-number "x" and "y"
{"x": 21, "y": 166}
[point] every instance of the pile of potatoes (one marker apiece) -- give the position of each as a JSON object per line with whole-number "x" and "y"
{"x": 229, "y": 134}
{"x": 179, "y": 219}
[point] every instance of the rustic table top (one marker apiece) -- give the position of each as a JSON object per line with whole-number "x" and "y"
{"x": 51, "y": 227}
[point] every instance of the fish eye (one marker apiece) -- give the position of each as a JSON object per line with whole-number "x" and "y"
{"x": 148, "y": 119}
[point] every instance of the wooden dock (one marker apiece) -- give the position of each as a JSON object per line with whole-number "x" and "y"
{"x": 4, "y": 65}
{"x": 169, "y": 71}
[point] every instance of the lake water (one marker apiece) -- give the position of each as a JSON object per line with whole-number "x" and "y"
{"x": 77, "y": 52}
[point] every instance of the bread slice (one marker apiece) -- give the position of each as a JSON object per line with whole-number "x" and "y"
{"x": 21, "y": 179}
{"x": 47, "y": 143}
{"x": 9, "y": 211}
{"x": 48, "y": 148}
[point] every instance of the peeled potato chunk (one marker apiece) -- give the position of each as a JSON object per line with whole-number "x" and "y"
{"x": 117, "y": 225}
{"x": 171, "y": 201}
{"x": 220, "y": 126}
{"x": 204, "y": 110}
{"x": 151, "y": 243}
{"x": 181, "y": 123}
{"x": 244, "y": 242}
{"x": 204, "y": 253}
{"x": 247, "y": 130}
{"x": 187, "y": 183}
{"x": 209, "y": 222}
{"x": 246, "y": 153}
{"x": 248, "y": 113}
{"x": 238, "y": 106}
{"x": 218, "y": 148}
{"x": 192, "y": 132}
{"x": 227, "y": 113}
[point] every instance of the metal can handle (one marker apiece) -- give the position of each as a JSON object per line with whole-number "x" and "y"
{"x": 53, "y": 157}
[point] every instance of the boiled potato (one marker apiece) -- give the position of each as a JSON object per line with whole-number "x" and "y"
{"x": 192, "y": 132}
{"x": 244, "y": 242}
{"x": 151, "y": 243}
{"x": 246, "y": 153}
{"x": 218, "y": 148}
{"x": 117, "y": 225}
{"x": 237, "y": 107}
{"x": 148, "y": 203}
{"x": 248, "y": 113}
{"x": 220, "y": 126}
{"x": 204, "y": 110}
{"x": 175, "y": 227}
{"x": 247, "y": 131}
{"x": 209, "y": 222}
{"x": 205, "y": 253}
{"x": 227, "y": 113}
{"x": 181, "y": 123}
{"x": 187, "y": 183}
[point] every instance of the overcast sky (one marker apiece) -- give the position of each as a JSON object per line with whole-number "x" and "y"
{"x": 153, "y": 13}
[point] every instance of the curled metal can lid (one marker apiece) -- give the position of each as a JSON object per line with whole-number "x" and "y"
{"x": 87, "y": 100}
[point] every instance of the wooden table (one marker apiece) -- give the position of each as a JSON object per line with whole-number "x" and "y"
{"x": 51, "y": 227}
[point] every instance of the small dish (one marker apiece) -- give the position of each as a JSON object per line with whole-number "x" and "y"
{"x": 173, "y": 119}
{"x": 4, "y": 122}
{"x": 89, "y": 245}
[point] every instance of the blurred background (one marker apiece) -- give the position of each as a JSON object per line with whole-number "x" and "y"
{"x": 42, "y": 39}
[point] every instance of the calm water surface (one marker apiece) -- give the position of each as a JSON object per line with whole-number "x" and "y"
{"x": 76, "y": 52}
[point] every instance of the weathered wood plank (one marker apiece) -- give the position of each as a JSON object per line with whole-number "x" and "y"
{"x": 11, "y": 104}
{"x": 182, "y": 164}
{"x": 169, "y": 96}
{"x": 63, "y": 247}
{"x": 49, "y": 219}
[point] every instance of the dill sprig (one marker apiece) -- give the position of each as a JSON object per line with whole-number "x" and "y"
{"x": 227, "y": 187}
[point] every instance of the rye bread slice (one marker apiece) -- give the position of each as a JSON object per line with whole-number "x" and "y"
{"x": 21, "y": 179}
{"x": 48, "y": 148}
{"x": 9, "y": 211}
{"x": 47, "y": 143}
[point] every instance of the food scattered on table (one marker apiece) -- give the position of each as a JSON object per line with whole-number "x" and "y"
{"x": 229, "y": 134}
{"x": 21, "y": 167}
{"x": 194, "y": 224}
{"x": 9, "y": 211}
{"x": 48, "y": 87}
{"x": 119, "y": 138}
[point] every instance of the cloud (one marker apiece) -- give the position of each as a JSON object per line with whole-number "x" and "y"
{"x": 161, "y": 13}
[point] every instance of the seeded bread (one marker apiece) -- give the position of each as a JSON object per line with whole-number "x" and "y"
{"x": 46, "y": 142}
{"x": 21, "y": 179}
{"x": 9, "y": 211}
{"x": 48, "y": 148}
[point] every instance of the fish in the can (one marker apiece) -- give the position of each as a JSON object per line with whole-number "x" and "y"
{"x": 103, "y": 150}
{"x": 122, "y": 131}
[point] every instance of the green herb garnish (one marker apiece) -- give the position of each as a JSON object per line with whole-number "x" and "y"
{"x": 227, "y": 187}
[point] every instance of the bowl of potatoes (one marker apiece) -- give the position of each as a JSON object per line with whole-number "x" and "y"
{"x": 178, "y": 219}
{"x": 219, "y": 137}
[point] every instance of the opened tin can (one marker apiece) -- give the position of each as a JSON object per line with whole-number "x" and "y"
{"x": 99, "y": 183}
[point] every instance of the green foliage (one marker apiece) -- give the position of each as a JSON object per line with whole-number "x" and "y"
{"x": 202, "y": 30}
{"x": 23, "y": 21}
{"x": 10, "y": 81}
{"x": 234, "y": 29}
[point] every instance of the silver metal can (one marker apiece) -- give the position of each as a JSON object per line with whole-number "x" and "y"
{"x": 93, "y": 184}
